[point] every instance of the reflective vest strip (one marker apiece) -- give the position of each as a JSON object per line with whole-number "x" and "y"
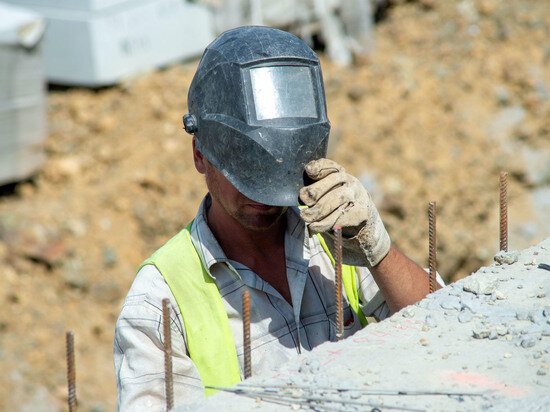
{"x": 209, "y": 339}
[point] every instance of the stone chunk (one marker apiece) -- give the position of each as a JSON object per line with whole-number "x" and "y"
{"x": 465, "y": 316}
{"x": 450, "y": 302}
{"x": 430, "y": 321}
{"x": 481, "y": 333}
{"x": 528, "y": 342}
{"x": 506, "y": 258}
{"x": 480, "y": 285}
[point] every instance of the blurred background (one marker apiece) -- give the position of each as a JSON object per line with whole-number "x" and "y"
{"x": 428, "y": 100}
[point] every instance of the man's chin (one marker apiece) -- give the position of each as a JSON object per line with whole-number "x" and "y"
{"x": 260, "y": 222}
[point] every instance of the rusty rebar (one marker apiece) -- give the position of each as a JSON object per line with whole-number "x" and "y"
{"x": 338, "y": 284}
{"x": 504, "y": 211}
{"x": 168, "y": 382}
{"x": 71, "y": 374}
{"x": 432, "y": 240}
{"x": 246, "y": 334}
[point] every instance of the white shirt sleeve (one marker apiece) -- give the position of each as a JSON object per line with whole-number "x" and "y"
{"x": 139, "y": 348}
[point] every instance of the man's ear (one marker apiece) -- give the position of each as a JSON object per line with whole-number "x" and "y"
{"x": 199, "y": 159}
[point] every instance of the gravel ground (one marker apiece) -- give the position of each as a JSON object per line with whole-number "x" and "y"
{"x": 483, "y": 341}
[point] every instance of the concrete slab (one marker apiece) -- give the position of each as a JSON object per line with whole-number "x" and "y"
{"x": 496, "y": 357}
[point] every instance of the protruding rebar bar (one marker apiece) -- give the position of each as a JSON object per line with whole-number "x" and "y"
{"x": 504, "y": 211}
{"x": 169, "y": 384}
{"x": 246, "y": 334}
{"x": 432, "y": 235}
{"x": 71, "y": 374}
{"x": 338, "y": 284}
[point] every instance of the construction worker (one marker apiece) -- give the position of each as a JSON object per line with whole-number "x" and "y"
{"x": 258, "y": 115}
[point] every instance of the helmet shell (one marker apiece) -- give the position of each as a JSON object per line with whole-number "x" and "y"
{"x": 259, "y": 113}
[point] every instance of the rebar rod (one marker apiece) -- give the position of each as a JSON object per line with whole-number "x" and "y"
{"x": 246, "y": 334}
{"x": 168, "y": 382}
{"x": 503, "y": 211}
{"x": 338, "y": 285}
{"x": 71, "y": 373}
{"x": 432, "y": 240}
{"x": 373, "y": 392}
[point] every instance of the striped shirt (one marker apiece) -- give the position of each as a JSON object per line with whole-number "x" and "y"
{"x": 279, "y": 330}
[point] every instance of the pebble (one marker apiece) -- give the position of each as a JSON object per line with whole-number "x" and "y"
{"x": 465, "y": 316}
{"x": 450, "y": 302}
{"x": 541, "y": 372}
{"x": 528, "y": 342}
{"x": 480, "y": 285}
{"x": 522, "y": 315}
{"x": 507, "y": 355}
{"x": 430, "y": 321}
{"x": 480, "y": 333}
{"x": 500, "y": 295}
{"x": 501, "y": 330}
{"x": 408, "y": 312}
{"x": 507, "y": 258}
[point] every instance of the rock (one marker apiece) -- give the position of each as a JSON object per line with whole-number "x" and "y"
{"x": 465, "y": 316}
{"x": 430, "y": 321}
{"x": 480, "y": 332}
{"x": 480, "y": 285}
{"x": 528, "y": 342}
{"x": 74, "y": 276}
{"x": 450, "y": 302}
{"x": 408, "y": 312}
{"x": 109, "y": 257}
{"x": 493, "y": 335}
{"x": 507, "y": 258}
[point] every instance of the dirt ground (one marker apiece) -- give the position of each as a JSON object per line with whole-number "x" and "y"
{"x": 431, "y": 115}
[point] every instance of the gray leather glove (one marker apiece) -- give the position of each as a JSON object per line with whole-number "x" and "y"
{"x": 336, "y": 198}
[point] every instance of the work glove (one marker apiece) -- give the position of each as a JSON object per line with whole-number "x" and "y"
{"x": 336, "y": 198}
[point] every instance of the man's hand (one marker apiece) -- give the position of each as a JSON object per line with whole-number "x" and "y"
{"x": 339, "y": 199}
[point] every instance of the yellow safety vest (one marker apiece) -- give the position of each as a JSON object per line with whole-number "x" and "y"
{"x": 209, "y": 339}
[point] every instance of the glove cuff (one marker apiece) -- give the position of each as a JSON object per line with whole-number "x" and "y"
{"x": 374, "y": 241}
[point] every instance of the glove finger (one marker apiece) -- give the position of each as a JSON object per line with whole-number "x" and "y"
{"x": 327, "y": 204}
{"x": 328, "y": 222}
{"x": 312, "y": 193}
{"x": 320, "y": 168}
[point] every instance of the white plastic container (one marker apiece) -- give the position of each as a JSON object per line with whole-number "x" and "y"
{"x": 98, "y": 42}
{"x": 22, "y": 94}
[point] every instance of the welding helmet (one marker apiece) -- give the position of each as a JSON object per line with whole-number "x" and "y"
{"x": 257, "y": 110}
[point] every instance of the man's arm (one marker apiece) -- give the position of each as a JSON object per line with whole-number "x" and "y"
{"x": 401, "y": 281}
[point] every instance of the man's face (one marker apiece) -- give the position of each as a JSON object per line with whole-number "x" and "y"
{"x": 227, "y": 200}
{"x": 249, "y": 214}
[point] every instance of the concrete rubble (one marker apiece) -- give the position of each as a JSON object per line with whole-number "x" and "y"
{"x": 482, "y": 342}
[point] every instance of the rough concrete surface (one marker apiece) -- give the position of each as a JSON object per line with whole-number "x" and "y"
{"x": 487, "y": 334}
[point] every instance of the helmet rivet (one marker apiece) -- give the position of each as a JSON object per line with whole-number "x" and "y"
{"x": 190, "y": 123}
